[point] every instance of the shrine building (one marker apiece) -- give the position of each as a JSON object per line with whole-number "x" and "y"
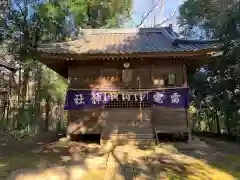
{"x": 127, "y": 84}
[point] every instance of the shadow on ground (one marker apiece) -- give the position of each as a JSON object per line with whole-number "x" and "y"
{"x": 207, "y": 159}
{"x": 46, "y": 157}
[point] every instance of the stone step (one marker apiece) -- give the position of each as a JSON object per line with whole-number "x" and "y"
{"x": 128, "y": 124}
{"x": 123, "y": 118}
{"x": 132, "y": 134}
{"x": 124, "y": 126}
{"x": 128, "y": 130}
{"x": 127, "y": 136}
{"x": 177, "y": 123}
{"x": 148, "y": 142}
{"x": 171, "y": 129}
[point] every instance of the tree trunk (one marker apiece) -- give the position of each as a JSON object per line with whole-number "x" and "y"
{"x": 61, "y": 117}
{"x": 48, "y": 110}
{"x": 228, "y": 130}
{"x": 7, "y": 114}
{"x": 19, "y": 87}
{"x": 7, "y": 106}
{"x": 211, "y": 125}
{"x": 23, "y": 97}
{"x": 38, "y": 78}
{"x": 218, "y": 123}
{"x": 227, "y": 125}
{"x": 4, "y": 107}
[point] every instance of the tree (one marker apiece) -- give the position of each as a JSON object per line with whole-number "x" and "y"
{"x": 217, "y": 88}
{"x": 156, "y": 10}
{"x": 204, "y": 18}
{"x": 98, "y": 13}
{"x": 3, "y": 5}
{"x": 29, "y": 23}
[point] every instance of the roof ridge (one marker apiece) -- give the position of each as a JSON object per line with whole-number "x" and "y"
{"x": 122, "y": 30}
{"x": 195, "y": 41}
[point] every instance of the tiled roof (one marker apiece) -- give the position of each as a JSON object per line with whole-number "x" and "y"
{"x": 4, "y": 64}
{"x": 5, "y": 58}
{"x": 115, "y": 41}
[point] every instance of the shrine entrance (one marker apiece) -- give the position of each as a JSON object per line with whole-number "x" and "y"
{"x": 129, "y": 124}
{"x": 130, "y": 115}
{"x": 128, "y": 61}
{"x": 124, "y": 106}
{"x": 129, "y": 118}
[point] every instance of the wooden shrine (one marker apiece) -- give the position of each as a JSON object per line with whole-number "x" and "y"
{"x": 127, "y": 83}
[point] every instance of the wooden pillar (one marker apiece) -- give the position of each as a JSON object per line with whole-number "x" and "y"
{"x": 185, "y": 84}
{"x": 68, "y": 113}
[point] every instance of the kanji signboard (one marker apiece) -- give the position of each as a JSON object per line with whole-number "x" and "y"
{"x": 175, "y": 98}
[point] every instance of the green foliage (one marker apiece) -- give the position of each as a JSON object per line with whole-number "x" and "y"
{"x": 30, "y": 23}
{"x": 216, "y": 91}
{"x": 204, "y": 17}
{"x": 25, "y": 131}
{"x": 53, "y": 86}
{"x": 97, "y": 13}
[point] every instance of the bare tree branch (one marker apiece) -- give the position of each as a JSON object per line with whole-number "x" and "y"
{"x": 144, "y": 17}
{"x": 19, "y": 6}
{"x": 148, "y": 13}
{"x": 13, "y": 15}
{"x": 166, "y": 20}
{"x": 134, "y": 22}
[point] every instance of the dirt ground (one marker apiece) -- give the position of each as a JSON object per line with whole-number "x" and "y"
{"x": 45, "y": 157}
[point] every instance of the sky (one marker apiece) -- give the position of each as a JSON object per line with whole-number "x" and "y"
{"x": 143, "y": 6}
{"x": 162, "y": 12}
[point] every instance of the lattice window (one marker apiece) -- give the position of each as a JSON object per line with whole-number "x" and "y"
{"x": 120, "y": 103}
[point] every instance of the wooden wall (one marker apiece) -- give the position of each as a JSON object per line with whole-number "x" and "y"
{"x": 90, "y": 76}
{"x": 85, "y": 121}
{"x": 167, "y": 120}
{"x": 109, "y": 75}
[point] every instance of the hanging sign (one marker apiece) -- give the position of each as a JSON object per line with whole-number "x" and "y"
{"x": 173, "y": 98}
{"x": 80, "y": 99}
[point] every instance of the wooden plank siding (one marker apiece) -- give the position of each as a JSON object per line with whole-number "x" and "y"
{"x": 167, "y": 120}
{"x": 95, "y": 121}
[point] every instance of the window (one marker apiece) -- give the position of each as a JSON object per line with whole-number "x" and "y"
{"x": 110, "y": 74}
{"x": 132, "y": 103}
{"x": 127, "y": 75}
{"x": 168, "y": 80}
{"x": 171, "y": 79}
{"x": 158, "y": 82}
